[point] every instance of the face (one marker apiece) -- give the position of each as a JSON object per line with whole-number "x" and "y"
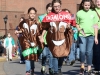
{"x": 86, "y": 6}
{"x": 98, "y": 3}
{"x": 49, "y": 9}
{"x": 9, "y": 35}
{"x": 32, "y": 14}
{"x": 21, "y": 19}
{"x": 57, "y": 7}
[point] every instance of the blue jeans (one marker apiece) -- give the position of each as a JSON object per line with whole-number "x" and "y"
{"x": 96, "y": 55}
{"x": 86, "y": 49}
{"x": 71, "y": 56}
{"x": 29, "y": 65}
{"x": 57, "y": 63}
{"x": 20, "y": 54}
{"x": 77, "y": 53}
{"x": 47, "y": 54}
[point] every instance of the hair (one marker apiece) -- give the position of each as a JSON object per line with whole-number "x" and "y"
{"x": 54, "y": 1}
{"x": 22, "y": 18}
{"x": 32, "y": 8}
{"x": 4, "y": 36}
{"x": 66, "y": 10}
{"x": 91, "y": 2}
{"x": 48, "y": 5}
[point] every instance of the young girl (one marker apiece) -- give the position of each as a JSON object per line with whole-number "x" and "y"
{"x": 86, "y": 19}
{"x": 96, "y": 48}
{"x": 29, "y": 40}
{"x": 46, "y": 52}
{"x": 59, "y": 35}
{"x": 8, "y": 44}
{"x": 71, "y": 57}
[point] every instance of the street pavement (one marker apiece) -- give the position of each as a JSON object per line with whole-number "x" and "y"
{"x": 15, "y": 68}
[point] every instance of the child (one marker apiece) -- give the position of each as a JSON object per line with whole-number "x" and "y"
{"x": 29, "y": 28}
{"x": 96, "y": 47}
{"x": 86, "y": 18}
{"x": 8, "y": 44}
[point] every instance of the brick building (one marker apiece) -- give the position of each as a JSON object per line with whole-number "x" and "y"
{"x": 14, "y": 9}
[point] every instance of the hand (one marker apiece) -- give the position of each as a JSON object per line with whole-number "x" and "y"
{"x": 96, "y": 41}
{"x": 16, "y": 32}
{"x": 82, "y": 32}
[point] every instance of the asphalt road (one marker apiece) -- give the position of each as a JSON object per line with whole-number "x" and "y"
{"x": 15, "y": 68}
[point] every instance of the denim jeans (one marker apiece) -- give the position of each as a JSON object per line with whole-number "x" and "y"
{"x": 47, "y": 54}
{"x": 29, "y": 65}
{"x": 57, "y": 63}
{"x": 71, "y": 56}
{"x": 20, "y": 54}
{"x": 77, "y": 53}
{"x": 86, "y": 49}
{"x": 96, "y": 55}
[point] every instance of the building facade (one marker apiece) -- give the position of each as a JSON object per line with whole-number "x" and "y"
{"x": 14, "y": 9}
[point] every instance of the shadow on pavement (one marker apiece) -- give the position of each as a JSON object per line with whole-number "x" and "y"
{"x": 72, "y": 72}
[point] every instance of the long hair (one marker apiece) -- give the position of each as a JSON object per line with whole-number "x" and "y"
{"x": 91, "y": 2}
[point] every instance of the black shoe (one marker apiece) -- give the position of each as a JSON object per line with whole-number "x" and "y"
{"x": 10, "y": 59}
{"x": 72, "y": 62}
{"x": 32, "y": 72}
{"x": 59, "y": 72}
{"x": 50, "y": 71}
{"x": 82, "y": 71}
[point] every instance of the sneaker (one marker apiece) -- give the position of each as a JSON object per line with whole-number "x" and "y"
{"x": 27, "y": 73}
{"x": 90, "y": 72}
{"x": 10, "y": 59}
{"x": 32, "y": 72}
{"x": 64, "y": 63}
{"x": 82, "y": 71}
{"x": 50, "y": 71}
{"x": 59, "y": 72}
{"x": 72, "y": 62}
{"x": 68, "y": 63}
{"x": 21, "y": 62}
{"x": 43, "y": 70}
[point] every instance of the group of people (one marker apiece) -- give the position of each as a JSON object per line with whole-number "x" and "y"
{"x": 55, "y": 36}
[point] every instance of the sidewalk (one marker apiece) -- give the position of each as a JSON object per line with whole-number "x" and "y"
{"x": 3, "y": 58}
{"x": 2, "y": 61}
{"x": 2, "y": 72}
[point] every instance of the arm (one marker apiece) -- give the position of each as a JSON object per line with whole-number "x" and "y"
{"x": 4, "y": 43}
{"x": 13, "y": 42}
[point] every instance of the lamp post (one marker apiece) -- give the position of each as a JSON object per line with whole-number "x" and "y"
{"x": 5, "y": 21}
